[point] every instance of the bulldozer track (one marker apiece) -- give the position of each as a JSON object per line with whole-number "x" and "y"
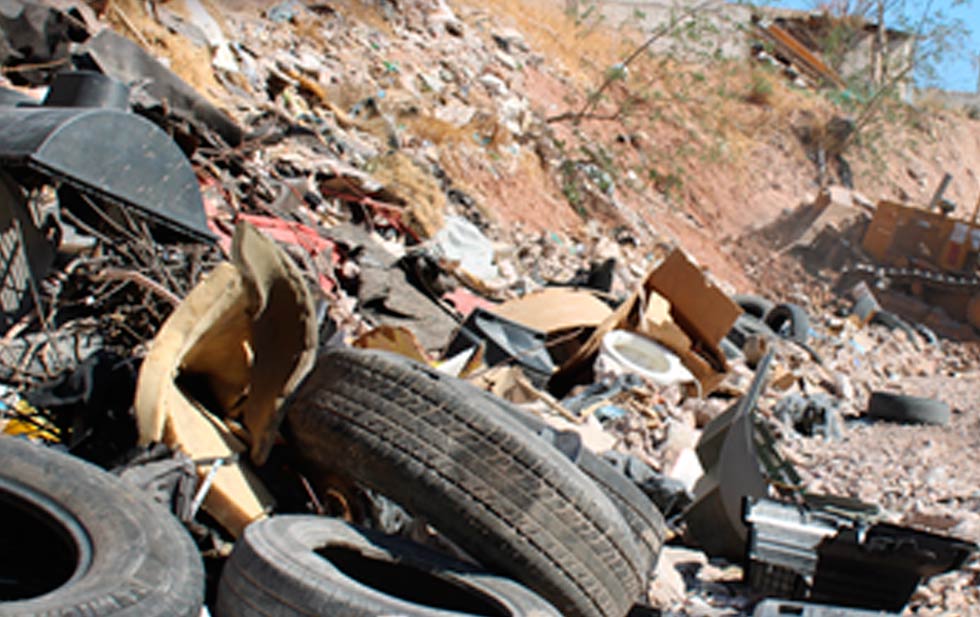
{"x": 912, "y": 275}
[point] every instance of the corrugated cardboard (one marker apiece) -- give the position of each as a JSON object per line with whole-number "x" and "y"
{"x": 698, "y": 307}
{"x": 678, "y": 307}
{"x": 556, "y": 309}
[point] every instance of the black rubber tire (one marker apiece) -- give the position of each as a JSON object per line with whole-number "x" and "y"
{"x": 927, "y": 334}
{"x": 431, "y": 444}
{"x": 730, "y": 349}
{"x": 276, "y": 571}
{"x": 745, "y": 326}
{"x": 128, "y": 558}
{"x": 756, "y": 306}
{"x": 642, "y": 515}
{"x": 911, "y": 409}
{"x": 789, "y": 320}
{"x": 887, "y": 319}
{"x": 893, "y": 322}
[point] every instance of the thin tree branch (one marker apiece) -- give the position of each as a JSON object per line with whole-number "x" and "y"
{"x": 594, "y": 98}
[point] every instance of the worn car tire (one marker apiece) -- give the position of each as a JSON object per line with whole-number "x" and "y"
{"x": 430, "y": 443}
{"x": 927, "y": 334}
{"x": 642, "y": 515}
{"x": 893, "y": 322}
{"x": 746, "y": 326}
{"x": 296, "y": 566}
{"x": 730, "y": 350}
{"x": 904, "y": 408}
{"x": 790, "y": 321}
{"x": 756, "y": 306}
{"x": 81, "y": 542}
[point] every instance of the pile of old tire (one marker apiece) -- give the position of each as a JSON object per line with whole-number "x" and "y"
{"x": 76, "y": 540}
{"x": 762, "y": 317}
{"x": 557, "y": 519}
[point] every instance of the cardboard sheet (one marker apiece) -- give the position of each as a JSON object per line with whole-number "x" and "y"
{"x": 556, "y": 309}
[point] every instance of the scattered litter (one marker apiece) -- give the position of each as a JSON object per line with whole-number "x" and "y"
{"x": 199, "y": 207}
{"x": 505, "y": 342}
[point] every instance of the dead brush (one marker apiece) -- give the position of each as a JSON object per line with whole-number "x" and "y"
{"x": 760, "y": 90}
{"x": 581, "y": 47}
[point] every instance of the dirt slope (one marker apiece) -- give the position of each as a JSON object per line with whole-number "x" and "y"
{"x": 688, "y": 153}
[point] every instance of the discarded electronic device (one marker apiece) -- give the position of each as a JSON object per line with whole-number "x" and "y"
{"x": 778, "y": 608}
{"x": 833, "y": 556}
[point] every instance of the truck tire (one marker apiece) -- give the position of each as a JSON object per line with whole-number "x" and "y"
{"x": 296, "y": 566}
{"x": 904, "y": 408}
{"x": 790, "y": 321}
{"x": 77, "y": 541}
{"x": 428, "y": 442}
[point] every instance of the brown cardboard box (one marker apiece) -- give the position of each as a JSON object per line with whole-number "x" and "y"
{"x": 678, "y": 307}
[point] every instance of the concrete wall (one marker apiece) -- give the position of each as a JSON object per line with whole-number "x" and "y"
{"x": 857, "y": 62}
{"x": 720, "y": 29}
{"x": 968, "y": 101}
{"x": 715, "y": 31}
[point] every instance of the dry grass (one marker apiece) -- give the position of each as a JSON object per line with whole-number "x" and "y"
{"x": 415, "y": 187}
{"x": 584, "y": 50}
{"x": 484, "y": 129}
{"x": 191, "y": 63}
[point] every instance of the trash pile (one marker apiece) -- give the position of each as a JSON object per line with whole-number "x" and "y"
{"x": 277, "y": 362}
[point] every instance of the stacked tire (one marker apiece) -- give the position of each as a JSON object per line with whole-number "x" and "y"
{"x": 563, "y": 523}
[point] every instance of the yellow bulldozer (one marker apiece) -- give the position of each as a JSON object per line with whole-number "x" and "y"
{"x": 929, "y": 253}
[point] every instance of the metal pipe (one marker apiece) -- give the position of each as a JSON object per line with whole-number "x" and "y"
{"x": 943, "y": 185}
